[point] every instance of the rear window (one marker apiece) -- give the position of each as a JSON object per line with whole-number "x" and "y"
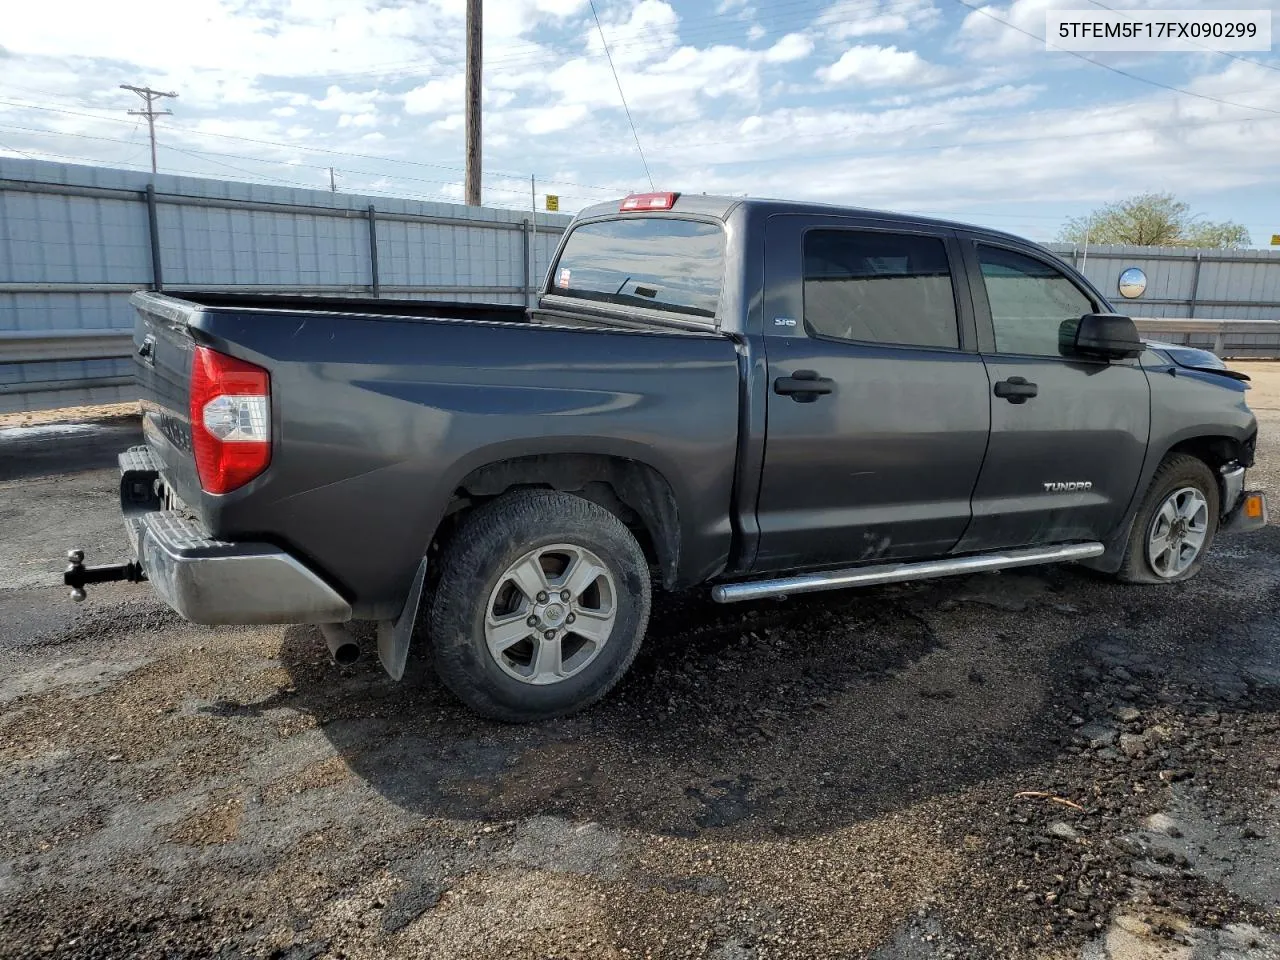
{"x": 654, "y": 262}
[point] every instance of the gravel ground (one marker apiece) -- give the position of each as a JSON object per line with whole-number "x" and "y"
{"x": 1032, "y": 764}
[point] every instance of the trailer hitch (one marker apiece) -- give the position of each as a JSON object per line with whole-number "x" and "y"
{"x": 77, "y": 575}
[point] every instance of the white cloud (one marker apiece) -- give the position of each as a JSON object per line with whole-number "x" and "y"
{"x": 650, "y": 30}
{"x": 849, "y": 19}
{"x": 450, "y": 124}
{"x": 743, "y": 115}
{"x": 794, "y": 46}
{"x": 780, "y": 135}
{"x": 885, "y": 23}
{"x": 436, "y": 96}
{"x": 998, "y": 157}
{"x": 555, "y": 119}
{"x": 983, "y": 36}
{"x": 669, "y": 88}
{"x": 347, "y": 101}
{"x": 875, "y": 65}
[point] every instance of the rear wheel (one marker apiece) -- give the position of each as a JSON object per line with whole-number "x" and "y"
{"x": 1175, "y": 525}
{"x": 541, "y": 605}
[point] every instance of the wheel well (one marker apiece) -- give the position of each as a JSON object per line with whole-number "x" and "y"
{"x": 632, "y": 491}
{"x": 1216, "y": 451}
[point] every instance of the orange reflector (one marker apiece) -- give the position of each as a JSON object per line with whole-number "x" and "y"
{"x": 1253, "y": 506}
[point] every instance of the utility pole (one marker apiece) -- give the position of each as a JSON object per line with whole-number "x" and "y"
{"x": 149, "y": 97}
{"x": 533, "y": 240}
{"x": 475, "y": 15}
{"x": 333, "y": 184}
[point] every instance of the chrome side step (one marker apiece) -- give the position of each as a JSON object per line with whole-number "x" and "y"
{"x": 898, "y": 572}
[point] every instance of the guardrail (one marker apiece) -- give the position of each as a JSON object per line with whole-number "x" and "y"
{"x": 1230, "y": 339}
{"x": 19, "y": 346}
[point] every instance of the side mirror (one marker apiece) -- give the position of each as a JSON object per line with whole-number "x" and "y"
{"x": 1102, "y": 336}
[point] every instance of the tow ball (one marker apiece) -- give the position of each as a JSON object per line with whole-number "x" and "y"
{"x": 78, "y": 575}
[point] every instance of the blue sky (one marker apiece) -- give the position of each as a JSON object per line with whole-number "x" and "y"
{"x": 916, "y": 105}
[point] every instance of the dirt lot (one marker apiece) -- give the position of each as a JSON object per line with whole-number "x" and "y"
{"x": 837, "y": 776}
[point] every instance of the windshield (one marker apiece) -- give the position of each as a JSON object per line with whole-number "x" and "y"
{"x": 654, "y": 262}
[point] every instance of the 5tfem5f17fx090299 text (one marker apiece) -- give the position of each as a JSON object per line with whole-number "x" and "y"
{"x": 1173, "y": 31}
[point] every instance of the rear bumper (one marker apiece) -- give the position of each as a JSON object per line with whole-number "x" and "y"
{"x": 212, "y": 581}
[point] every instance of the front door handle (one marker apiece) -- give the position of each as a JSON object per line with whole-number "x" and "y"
{"x": 804, "y": 386}
{"x": 1016, "y": 389}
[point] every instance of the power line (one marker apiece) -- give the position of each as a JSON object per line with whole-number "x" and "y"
{"x": 873, "y": 8}
{"x": 622, "y": 96}
{"x": 219, "y": 159}
{"x": 960, "y": 144}
{"x": 21, "y": 153}
{"x": 540, "y": 55}
{"x": 1107, "y": 66}
{"x": 1225, "y": 53}
{"x": 248, "y": 173}
{"x": 149, "y": 97}
{"x": 305, "y": 149}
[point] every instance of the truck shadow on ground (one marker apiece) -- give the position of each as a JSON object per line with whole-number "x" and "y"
{"x": 805, "y": 716}
{"x": 774, "y": 718}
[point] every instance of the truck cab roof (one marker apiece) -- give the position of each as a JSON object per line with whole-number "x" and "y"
{"x": 722, "y": 207}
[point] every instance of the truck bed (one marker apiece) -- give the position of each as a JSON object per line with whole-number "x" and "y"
{"x": 381, "y": 410}
{"x": 402, "y": 309}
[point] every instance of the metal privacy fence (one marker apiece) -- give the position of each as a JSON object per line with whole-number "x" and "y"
{"x": 76, "y": 241}
{"x": 1227, "y": 301}
{"x": 1184, "y": 283}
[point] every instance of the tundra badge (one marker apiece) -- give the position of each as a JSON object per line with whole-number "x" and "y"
{"x": 1070, "y": 487}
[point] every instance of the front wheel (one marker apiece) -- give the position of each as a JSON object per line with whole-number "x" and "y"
{"x": 541, "y": 605}
{"x": 1175, "y": 525}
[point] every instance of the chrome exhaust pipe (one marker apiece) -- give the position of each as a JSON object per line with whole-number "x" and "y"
{"x": 342, "y": 645}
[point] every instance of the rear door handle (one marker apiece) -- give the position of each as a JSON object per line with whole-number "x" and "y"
{"x": 147, "y": 350}
{"x": 804, "y": 386}
{"x": 1016, "y": 389}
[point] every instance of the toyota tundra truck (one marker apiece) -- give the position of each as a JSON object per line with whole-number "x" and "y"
{"x": 764, "y": 397}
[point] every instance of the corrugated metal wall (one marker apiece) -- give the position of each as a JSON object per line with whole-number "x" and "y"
{"x": 1196, "y": 284}
{"x": 76, "y": 241}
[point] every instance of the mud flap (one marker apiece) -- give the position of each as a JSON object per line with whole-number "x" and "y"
{"x": 394, "y": 635}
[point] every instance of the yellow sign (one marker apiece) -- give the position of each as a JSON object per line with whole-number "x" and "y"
{"x": 1275, "y": 239}
{"x": 553, "y": 202}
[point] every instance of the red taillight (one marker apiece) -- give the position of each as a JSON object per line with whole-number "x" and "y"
{"x": 649, "y": 201}
{"x": 230, "y": 420}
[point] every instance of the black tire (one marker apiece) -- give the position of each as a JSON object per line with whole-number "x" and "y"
{"x": 1178, "y": 470}
{"x": 487, "y": 543}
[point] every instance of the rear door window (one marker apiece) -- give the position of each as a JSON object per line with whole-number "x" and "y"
{"x": 873, "y": 287}
{"x": 659, "y": 263}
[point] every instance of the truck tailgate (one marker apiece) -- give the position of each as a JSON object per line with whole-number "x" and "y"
{"x": 163, "y": 347}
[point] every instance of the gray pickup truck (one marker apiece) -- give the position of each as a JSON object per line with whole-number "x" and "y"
{"x": 770, "y": 398}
